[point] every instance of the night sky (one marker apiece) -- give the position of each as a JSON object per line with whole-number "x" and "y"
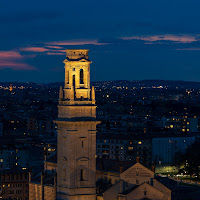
{"x": 128, "y": 40}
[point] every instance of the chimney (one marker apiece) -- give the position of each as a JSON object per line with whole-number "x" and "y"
{"x": 121, "y": 168}
{"x": 42, "y": 187}
{"x": 29, "y": 174}
{"x": 42, "y": 176}
{"x": 55, "y": 185}
{"x": 55, "y": 178}
{"x": 137, "y": 158}
{"x": 153, "y": 167}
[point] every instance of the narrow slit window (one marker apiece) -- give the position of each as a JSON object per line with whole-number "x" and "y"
{"x": 82, "y": 178}
{"x": 64, "y": 174}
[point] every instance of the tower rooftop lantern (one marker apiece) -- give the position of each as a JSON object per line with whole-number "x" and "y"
{"x": 77, "y": 54}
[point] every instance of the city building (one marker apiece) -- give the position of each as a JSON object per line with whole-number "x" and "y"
{"x": 14, "y": 184}
{"x": 124, "y": 147}
{"x": 181, "y": 123}
{"x": 42, "y": 186}
{"x": 123, "y": 181}
{"x": 18, "y": 152}
{"x": 165, "y": 149}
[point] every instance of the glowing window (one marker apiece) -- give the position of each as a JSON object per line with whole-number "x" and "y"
{"x": 139, "y": 142}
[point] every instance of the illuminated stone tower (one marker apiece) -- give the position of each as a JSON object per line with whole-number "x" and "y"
{"x": 76, "y": 130}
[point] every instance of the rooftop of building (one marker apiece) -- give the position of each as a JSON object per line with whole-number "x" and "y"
{"x": 15, "y": 170}
{"x": 114, "y": 166}
{"x": 48, "y": 179}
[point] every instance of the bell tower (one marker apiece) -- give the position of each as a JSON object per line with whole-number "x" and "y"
{"x": 76, "y": 130}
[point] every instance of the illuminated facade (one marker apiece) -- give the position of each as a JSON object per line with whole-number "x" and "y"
{"x": 76, "y": 130}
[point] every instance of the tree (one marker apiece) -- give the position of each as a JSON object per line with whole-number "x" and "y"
{"x": 192, "y": 161}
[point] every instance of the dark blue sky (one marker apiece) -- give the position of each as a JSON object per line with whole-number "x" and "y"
{"x": 129, "y": 40}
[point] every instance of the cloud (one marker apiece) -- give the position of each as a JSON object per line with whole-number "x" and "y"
{"x": 54, "y": 47}
{"x": 76, "y": 42}
{"x": 55, "y": 53}
{"x": 34, "y": 49}
{"x": 56, "y": 50}
{"x": 189, "y": 49}
{"x": 151, "y": 39}
{"x": 13, "y": 60}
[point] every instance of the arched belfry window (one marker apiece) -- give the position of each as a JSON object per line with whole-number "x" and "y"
{"x": 74, "y": 81}
{"x": 81, "y": 76}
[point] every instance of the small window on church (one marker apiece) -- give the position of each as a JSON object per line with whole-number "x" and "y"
{"x": 82, "y": 144}
{"x": 64, "y": 174}
{"x": 73, "y": 69}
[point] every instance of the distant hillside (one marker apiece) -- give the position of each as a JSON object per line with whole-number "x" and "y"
{"x": 149, "y": 83}
{"x": 118, "y": 83}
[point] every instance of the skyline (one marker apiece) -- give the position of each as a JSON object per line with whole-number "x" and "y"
{"x": 148, "y": 40}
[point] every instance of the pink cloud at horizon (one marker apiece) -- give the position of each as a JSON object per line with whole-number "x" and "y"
{"x": 54, "y": 53}
{"x": 76, "y": 42}
{"x": 13, "y": 60}
{"x": 54, "y": 47}
{"x": 42, "y": 50}
{"x": 34, "y": 49}
{"x": 166, "y": 37}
